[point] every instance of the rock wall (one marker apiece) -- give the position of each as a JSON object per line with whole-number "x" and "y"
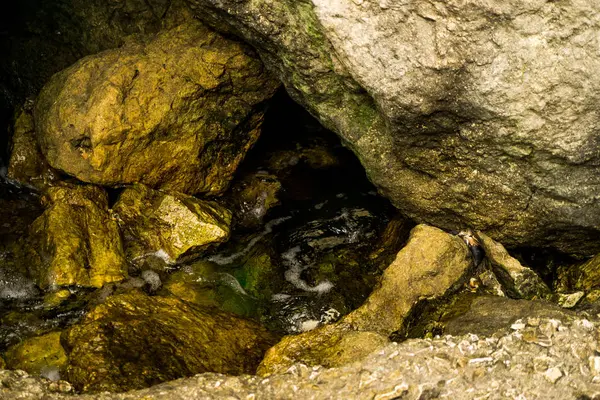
{"x": 464, "y": 113}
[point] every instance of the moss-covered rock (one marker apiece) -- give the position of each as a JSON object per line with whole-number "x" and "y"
{"x": 169, "y": 224}
{"x": 133, "y": 341}
{"x": 431, "y": 265}
{"x": 517, "y": 281}
{"x": 41, "y": 355}
{"x": 27, "y": 164}
{"x": 202, "y": 283}
{"x": 177, "y": 111}
{"x": 75, "y": 241}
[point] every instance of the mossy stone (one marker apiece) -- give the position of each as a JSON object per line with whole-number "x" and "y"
{"x": 37, "y": 355}
{"x": 169, "y": 224}
{"x": 133, "y": 341}
{"x": 75, "y": 241}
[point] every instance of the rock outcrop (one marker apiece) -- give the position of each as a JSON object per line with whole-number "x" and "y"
{"x": 177, "y": 111}
{"x": 462, "y": 113}
{"x": 133, "y": 341}
{"x": 169, "y": 225}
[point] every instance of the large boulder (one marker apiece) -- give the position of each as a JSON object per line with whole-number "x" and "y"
{"x": 470, "y": 113}
{"x": 75, "y": 241}
{"x": 177, "y": 111}
{"x": 133, "y": 341}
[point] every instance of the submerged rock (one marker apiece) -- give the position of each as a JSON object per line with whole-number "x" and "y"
{"x": 27, "y": 164}
{"x": 75, "y": 241}
{"x": 133, "y": 341}
{"x": 176, "y": 111}
{"x": 463, "y": 113}
{"x": 431, "y": 265}
{"x": 517, "y": 281}
{"x": 42, "y": 356}
{"x": 253, "y": 196}
{"x": 169, "y": 225}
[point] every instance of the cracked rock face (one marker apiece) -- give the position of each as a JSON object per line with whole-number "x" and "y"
{"x": 177, "y": 111}
{"x": 462, "y": 112}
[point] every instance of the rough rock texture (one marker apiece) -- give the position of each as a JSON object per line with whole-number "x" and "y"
{"x": 462, "y": 112}
{"x": 26, "y": 164}
{"x": 585, "y": 276}
{"x": 75, "y": 241}
{"x": 517, "y": 281}
{"x": 133, "y": 341}
{"x": 508, "y": 365}
{"x": 253, "y": 196}
{"x": 172, "y": 224}
{"x": 40, "y": 38}
{"x": 490, "y": 314}
{"x": 177, "y": 111}
{"x": 432, "y": 264}
{"x": 41, "y": 355}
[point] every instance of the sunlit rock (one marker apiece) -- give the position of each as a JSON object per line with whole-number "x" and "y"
{"x": 133, "y": 341}
{"x": 168, "y": 225}
{"x": 41, "y": 356}
{"x": 431, "y": 265}
{"x": 75, "y": 241}
{"x": 176, "y": 111}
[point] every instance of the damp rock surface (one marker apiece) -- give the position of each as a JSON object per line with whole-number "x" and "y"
{"x": 432, "y": 264}
{"x": 176, "y": 111}
{"x": 75, "y": 241}
{"x": 26, "y": 164}
{"x": 133, "y": 341}
{"x": 462, "y": 113}
{"x": 169, "y": 224}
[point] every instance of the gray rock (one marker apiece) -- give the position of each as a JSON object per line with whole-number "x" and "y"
{"x": 517, "y": 281}
{"x": 463, "y": 113}
{"x": 458, "y": 367}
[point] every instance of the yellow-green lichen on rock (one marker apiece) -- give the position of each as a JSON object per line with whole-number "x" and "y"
{"x": 176, "y": 111}
{"x": 41, "y": 355}
{"x": 169, "y": 224}
{"x": 432, "y": 265}
{"x": 133, "y": 341}
{"x": 27, "y": 164}
{"x": 75, "y": 241}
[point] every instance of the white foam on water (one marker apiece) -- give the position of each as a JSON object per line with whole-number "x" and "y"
{"x": 152, "y": 279}
{"x": 163, "y": 255}
{"x": 50, "y": 372}
{"x": 309, "y": 325}
{"x": 280, "y": 297}
{"x": 224, "y": 260}
{"x": 295, "y": 268}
